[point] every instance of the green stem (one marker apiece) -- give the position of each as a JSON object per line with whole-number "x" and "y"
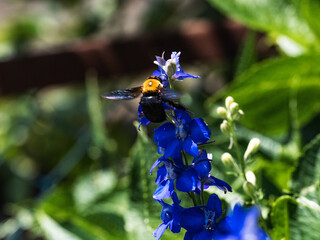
{"x": 191, "y": 195}
{"x": 185, "y": 159}
{"x": 240, "y": 159}
{"x": 202, "y": 194}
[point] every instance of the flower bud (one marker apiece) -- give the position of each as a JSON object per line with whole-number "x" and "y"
{"x": 170, "y": 68}
{"x": 228, "y": 102}
{"x": 225, "y": 127}
{"x": 222, "y": 112}
{"x": 228, "y": 161}
{"x": 234, "y": 107}
{"x": 249, "y": 188}
{"x": 238, "y": 115}
{"x": 253, "y": 147}
{"x": 251, "y": 177}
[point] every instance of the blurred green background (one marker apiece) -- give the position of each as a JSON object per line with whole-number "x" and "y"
{"x": 74, "y": 166}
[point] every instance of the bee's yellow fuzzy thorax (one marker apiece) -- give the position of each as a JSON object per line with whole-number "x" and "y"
{"x": 151, "y": 85}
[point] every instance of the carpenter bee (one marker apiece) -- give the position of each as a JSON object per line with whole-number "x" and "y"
{"x": 154, "y": 95}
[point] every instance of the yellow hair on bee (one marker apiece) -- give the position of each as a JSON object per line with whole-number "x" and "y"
{"x": 151, "y": 85}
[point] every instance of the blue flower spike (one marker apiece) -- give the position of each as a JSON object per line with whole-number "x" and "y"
{"x": 178, "y": 141}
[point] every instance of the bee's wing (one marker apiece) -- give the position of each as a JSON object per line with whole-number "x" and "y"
{"x": 125, "y": 94}
{"x": 169, "y": 94}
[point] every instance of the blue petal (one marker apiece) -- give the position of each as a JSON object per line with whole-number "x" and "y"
{"x": 190, "y": 147}
{"x": 167, "y": 107}
{"x": 164, "y": 190}
{"x": 160, "y": 230}
{"x": 156, "y": 73}
{"x": 161, "y": 61}
{"x": 174, "y": 227}
{"x": 241, "y": 224}
{"x": 189, "y": 236}
{"x": 141, "y": 117}
{"x": 174, "y": 149}
{"x": 156, "y": 164}
{"x": 180, "y": 76}
{"x": 187, "y": 181}
{"x": 161, "y": 150}
{"x": 161, "y": 174}
{"x": 222, "y": 185}
{"x": 214, "y": 204}
{"x": 184, "y": 116}
{"x": 205, "y": 234}
{"x": 199, "y": 131}
{"x": 202, "y": 165}
{"x": 178, "y": 160}
{"x": 165, "y": 134}
{"x": 175, "y": 198}
{"x": 192, "y": 219}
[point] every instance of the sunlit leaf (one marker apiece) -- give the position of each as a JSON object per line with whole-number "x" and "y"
{"x": 277, "y": 17}
{"x": 280, "y": 217}
{"x": 310, "y": 10}
{"x": 92, "y": 186}
{"x": 53, "y": 230}
{"x": 297, "y": 219}
{"x": 265, "y": 90}
{"x": 308, "y": 169}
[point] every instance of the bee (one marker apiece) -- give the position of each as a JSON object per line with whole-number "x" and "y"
{"x": 154, "y": 95}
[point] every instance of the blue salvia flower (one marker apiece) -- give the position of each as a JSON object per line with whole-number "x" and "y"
{"x": 185, "y": 178}
{"x": 184, "y": 134}
{"x": 241, "y": 224}
{"x": 170, "y": 215}
{"x": 171, "y": 68}
{"x": 207, "y": 225}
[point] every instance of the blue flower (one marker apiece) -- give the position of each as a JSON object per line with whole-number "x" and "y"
{"x": 241, "y": 224}
{"x": 170, "y": 215}
{"x": 186, "y": 179}
{"x": 185, "y": 134}
{"x": 171, "y": 68}
{"x": 203, "y": 229}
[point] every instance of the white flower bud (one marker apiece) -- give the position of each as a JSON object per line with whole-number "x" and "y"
{"x": 251, "y": 177}
{"x": 228, "y": 161}
{"x": 222, "y": 112}
{"x": 228, "y": 102}
{"x": 170, "y": 68}
{"x": 249, "y": 188}
{"x": 234, "y": 107}
{"x": 238, "y": 115}
{"x": 225, "y": 127}
{"x": 253, "y": 147}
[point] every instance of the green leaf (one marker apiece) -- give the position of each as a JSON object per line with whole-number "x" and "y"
{"x": 310, "y": 10}
{"x": 297, "y": 219}
{"x": 305, "y": 220}
{"x": 248, "y": 54}
{"x": 142, "y": 155}
{"x": 52, "y": 229}
{"x": 265, "y": 90}
{"x": 90, "y": 187}
{"x": 280, "y": 217}
{"x": 277, "y": 17}
{"x": 308, "y": 170}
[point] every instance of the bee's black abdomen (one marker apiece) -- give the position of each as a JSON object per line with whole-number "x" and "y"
{"x": 152, "y": 107}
